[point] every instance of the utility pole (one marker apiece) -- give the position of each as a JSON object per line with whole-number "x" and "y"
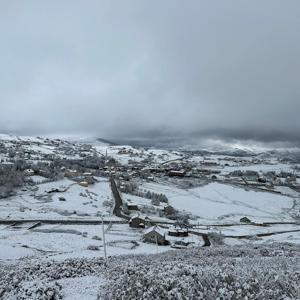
{"x": 104, "y": 243}
{"x": 156, "y": 243}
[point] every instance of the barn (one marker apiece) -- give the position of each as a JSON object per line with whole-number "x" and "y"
{"x": 155, "y": 235}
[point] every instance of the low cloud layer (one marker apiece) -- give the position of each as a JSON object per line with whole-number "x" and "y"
{"x": 139, "y": 68}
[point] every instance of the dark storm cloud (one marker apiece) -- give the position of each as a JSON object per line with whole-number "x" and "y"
{"x": 229, "y": 69}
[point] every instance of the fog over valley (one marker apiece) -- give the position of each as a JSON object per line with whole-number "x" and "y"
{"x": 150, "y": 69}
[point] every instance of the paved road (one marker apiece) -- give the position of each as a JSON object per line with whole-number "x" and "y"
{"x": 117, "y": 211}
{"x": 64, "y": 222}
{"x": 204, "y": 236}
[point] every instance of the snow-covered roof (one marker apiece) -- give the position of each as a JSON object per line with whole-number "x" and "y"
{"x": 140, "y": 216}
{"x": 131, "y": 203}
{"x": 156, "y": 229}
{"x": 137, "y": 216}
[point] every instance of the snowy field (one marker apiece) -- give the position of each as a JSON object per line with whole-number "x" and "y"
{"x": 77, "y": 201}
{"x": 217, "y": 202}
{"x": 123, "y": 154}
{"x": 61, "y": 242}
{"x": 278, "y": 167}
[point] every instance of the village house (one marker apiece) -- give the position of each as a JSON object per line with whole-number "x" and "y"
{"x": 132, "y": 206}
{"x": 87, "y": 174}
{"x": 123, "y": 151}
{"x": 262, "y": 179}
{"x": 71, "y": 173}
{"x": 173, "y": 173}
{"x": 155, "y": 235}
{"x": 179, "y": 232}
{"x": 83, "y": 183}
{"x": 138, "y": 221}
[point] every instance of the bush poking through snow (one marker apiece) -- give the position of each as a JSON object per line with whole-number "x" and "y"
{"x": 242, "y": 272}
{"x": 210, "y": 273}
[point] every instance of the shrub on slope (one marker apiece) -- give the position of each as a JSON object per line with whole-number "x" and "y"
{"x": 211, "y": 273}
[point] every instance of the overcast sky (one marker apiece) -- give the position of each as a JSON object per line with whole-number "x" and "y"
{"x": 146, "y": 68}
